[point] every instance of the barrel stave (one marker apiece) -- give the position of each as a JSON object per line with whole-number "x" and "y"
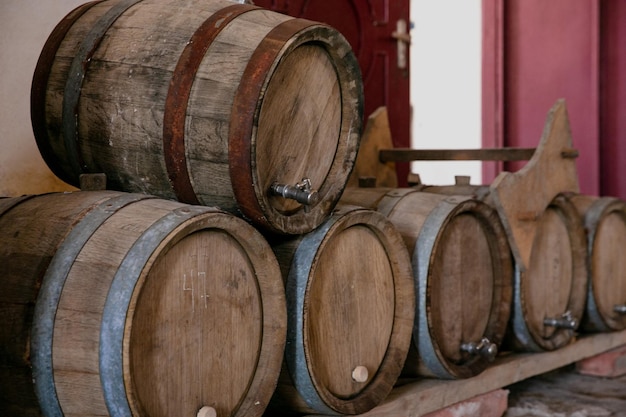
{"x": 554, "y": 284}
{"x": 139, "y": 296}
{"x": 458, "y": 247}
{"x": 605, "y": 226}
{"x": 351, "y": 305}
{"x": 175, "y": 102}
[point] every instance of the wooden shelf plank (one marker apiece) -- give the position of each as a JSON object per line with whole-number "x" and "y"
{"x": 424, "y": 396}
{"x": 483, "y": 154}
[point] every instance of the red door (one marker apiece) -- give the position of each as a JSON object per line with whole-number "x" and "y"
{"x": 536, "y": 52}
{"x": 369, "y": 26}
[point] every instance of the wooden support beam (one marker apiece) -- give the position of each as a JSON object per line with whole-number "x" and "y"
{"x": 492, "y": 154}
{"x": 520, "y": 196}
{"x": 368, "y": 166}
{"x": 420, "y": 397}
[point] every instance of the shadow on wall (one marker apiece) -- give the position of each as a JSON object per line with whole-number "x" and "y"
{"x": 24, "y": 27}
{"x": 26, "y": 173}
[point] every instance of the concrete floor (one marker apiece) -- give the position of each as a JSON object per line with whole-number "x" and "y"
{"x": 566, "y": 393}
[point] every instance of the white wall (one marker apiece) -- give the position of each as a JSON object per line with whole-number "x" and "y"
{"x": 446, "y": 84}
{"x": 445, "y": 87}
{"x": 24, "y": 28}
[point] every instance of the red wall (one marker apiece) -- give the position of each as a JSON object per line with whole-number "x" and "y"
{"x": 613, "y": 98}
{"x": 538, "y": 51}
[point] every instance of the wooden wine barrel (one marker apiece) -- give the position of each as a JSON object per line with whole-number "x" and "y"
{"x": 462, "y": 272}
{"x": 549, "y": 294}
{"x": 350, "y": 303}
{"x": 208, "y": 102}
{"x": 121, "y": 304}
{"x": 604, "y": 220}
{"x": 549, "y": 299}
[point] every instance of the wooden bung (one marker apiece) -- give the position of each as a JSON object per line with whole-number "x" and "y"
{"x": 124, "y": 304}
{"x": 207, "y": 412}
{"x": 208, "y": 102}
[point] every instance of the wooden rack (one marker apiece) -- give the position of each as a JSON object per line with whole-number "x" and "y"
{"x": 421, "y": 397}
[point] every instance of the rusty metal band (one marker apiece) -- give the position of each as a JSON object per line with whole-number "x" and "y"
{"x": 74, "y": 83}
{"x": 245, "y": 112}
{"x": 178, "y": 95}
{"x": 40, "y": 84}
{"x": 48, "y": 299}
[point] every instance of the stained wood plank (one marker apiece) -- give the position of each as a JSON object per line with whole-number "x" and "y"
{"x": 423, "y": 396}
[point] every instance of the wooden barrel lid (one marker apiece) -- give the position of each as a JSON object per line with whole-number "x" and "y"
{"x": 554, "y": 285}
{"x": 306, "y": 125}
{"x": 302, "y": 142}
{"x": 464, "y": 273}
{"x": 356, "y": 309}
{"x": 462, "y": 285}
{"x": 153, "y": 307}
{"x": 605, "y": 224}
{"x": 608, "y": 266}
{"x": 463, "y": 276}
{"x": 199, "y": 328}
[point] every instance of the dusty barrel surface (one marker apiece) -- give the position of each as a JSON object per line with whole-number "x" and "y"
{"x": 549, "y": 298}
{"x": 121, "y": 304}
{"x": 208, "y": 102}
{"x": 463, "y": 277}
{"x": 549, "y": 293}
{"x": 350, "y": 304}
{"x": 604, "y": 219}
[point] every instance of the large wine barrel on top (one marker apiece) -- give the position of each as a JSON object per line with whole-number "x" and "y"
{"x": 209, "y": 102}
{"x": 350, "y": 304}
{"x": 120, "y": 304}
{"x": 462, "y": 272}
{"x": 604, "y": 219}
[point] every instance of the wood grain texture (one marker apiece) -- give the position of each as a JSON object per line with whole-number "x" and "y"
{"x": 554, "y": 282}
{"x": 351, "y": 303}
{"x": 376, "y": 137}
{"x": 420, "y": 397}
{"x": 159, "y": 302}
{"x": 522, "y": 196}
{"x": 551, "y": 264}
{"x": 297, "y": 115}
{"x": 462, "y": 271}
{"x": 605, "y": 224}
{"x": 534, "y": 210}
{"x": 306, "y": 84}
{"x": 31, "y": 231}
